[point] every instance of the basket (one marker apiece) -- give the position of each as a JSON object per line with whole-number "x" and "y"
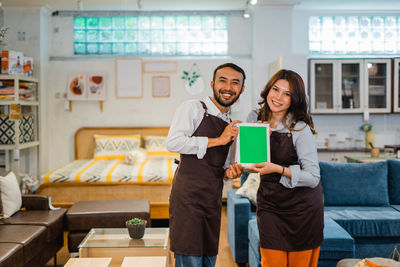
{"x": 7, "y": 132}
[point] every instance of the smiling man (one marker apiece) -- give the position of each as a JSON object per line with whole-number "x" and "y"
{"x": 202, "y": 132}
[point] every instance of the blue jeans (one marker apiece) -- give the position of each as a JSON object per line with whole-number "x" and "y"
{"x": 194, "y": 261}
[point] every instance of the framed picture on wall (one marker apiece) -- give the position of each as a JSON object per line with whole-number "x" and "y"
{"x": 76, "y": 86}
{"x": 129, "y": 78}
{"x": 96, "y": 86}
{"x": 161, "y": 86}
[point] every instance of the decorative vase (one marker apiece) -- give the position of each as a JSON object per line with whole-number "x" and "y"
{"x": 369, "y": 139}
{"x": 136, "y": 231}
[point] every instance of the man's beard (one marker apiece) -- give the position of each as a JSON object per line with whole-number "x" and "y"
{"x": 221, "y": 102}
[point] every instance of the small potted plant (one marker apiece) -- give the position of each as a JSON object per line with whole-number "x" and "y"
{"x": 136, "y": 227}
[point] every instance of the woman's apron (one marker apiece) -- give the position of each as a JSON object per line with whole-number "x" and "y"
{"x": 288, "y": 219}
{"x": 196, "y": 195}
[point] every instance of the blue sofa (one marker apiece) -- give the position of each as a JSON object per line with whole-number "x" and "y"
{"x": 362, "y": 214}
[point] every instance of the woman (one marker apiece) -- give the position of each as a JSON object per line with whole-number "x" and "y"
{"x": 289, "y": 200}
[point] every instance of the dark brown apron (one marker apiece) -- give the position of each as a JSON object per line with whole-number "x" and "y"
{"x": 288, "y": 219}
{"x": 196, "y": 195}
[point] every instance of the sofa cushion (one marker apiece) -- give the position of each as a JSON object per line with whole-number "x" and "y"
{"x": 367, "y": 221}
{"x": 355, "y": 184}
{"x": 396, "y": 207}
{"x": 394, "y": 181}
{"x": 10, "y": 195}
{"x": 52, "y": 219}
{"x": 10, "y": 254}
{"x": 338, "y": 244}
{"x": 32, "y": 237}
{"x": 250, "y": 187}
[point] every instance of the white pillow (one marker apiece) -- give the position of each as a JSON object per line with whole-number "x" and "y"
{"x": 136, "y": 156}
{"x": 10, "y": 195}
{"x": 249, "y": 187}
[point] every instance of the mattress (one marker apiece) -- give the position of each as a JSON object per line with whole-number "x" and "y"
{"x": 153, "y": 169}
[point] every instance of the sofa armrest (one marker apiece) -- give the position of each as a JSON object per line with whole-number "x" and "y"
{"x": 238, "y": 213}
{"x": 35, "y": 202}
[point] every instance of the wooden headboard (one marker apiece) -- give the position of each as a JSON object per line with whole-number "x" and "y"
{"x": 84, "y": 137}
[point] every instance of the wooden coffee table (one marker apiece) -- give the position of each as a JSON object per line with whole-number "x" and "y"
{"x": 116, "y": 244}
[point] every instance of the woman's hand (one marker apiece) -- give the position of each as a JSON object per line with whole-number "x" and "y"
{"x": 265, "y": 168}
{"x": 234, "y": 171}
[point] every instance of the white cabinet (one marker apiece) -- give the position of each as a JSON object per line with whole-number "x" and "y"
{"x": 19, "y": 134}
{"x": 396, "y": 86}
{"x": 350, "y": 85}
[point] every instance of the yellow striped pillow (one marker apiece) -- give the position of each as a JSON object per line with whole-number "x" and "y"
{"x": 155, "y": 143}
{"x": 157, "y": 146}
{"x": 115, "y": 146}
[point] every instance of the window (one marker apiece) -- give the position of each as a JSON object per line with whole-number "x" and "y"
{"x": 354, "y": 35}
{"x": 151, "y": 35}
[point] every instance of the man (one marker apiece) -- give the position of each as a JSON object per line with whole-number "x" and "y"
{"x": 202, "y": 132}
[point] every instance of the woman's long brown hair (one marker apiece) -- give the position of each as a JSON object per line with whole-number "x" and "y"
{"x": 299, "y": 105}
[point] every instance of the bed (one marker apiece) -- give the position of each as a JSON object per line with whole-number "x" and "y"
{"x": 93, "y": 176}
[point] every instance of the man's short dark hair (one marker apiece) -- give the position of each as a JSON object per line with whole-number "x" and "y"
{"x": 232, "y": 66}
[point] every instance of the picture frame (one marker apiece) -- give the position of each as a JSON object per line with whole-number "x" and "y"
{"x": 76, "y": 86}
{"x": 161, "y": 86}
{"x": 96, "y": 86}
{"x": 252, "y": 144}
{"x": 129, "y": 78}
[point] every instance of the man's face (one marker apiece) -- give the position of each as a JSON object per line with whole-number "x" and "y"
{"x": 227, "y": 86}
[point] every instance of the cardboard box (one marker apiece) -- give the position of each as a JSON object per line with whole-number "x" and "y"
{"x": 12, "y": 62}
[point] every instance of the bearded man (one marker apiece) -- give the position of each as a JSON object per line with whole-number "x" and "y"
{"x": 202, "y": 132}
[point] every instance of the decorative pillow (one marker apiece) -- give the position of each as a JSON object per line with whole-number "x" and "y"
{"x": 394, "y": 181}
{"x": 355, "y": 184}
{"x": 136, "y": 156}
{"x": 250, "y": 187}
{"x": 11, "y": 199}
{"x": 115, "y": 146}
{"x": 155, "y": 143}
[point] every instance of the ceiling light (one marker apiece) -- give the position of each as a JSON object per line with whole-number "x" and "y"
{"x": 253, "y": 2}
{"x": 246, "y": 14}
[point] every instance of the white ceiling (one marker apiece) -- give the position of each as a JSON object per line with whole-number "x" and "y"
{"x": 202, "y": 4}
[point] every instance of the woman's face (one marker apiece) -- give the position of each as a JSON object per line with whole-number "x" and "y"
{"x": 279, "y": 97}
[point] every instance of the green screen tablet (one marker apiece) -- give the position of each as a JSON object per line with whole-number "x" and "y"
{"x": 252, "y": 144}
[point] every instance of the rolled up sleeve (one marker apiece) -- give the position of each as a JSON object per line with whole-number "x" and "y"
{"x": 186, "y": 120}
{"x": 307, "y": 172}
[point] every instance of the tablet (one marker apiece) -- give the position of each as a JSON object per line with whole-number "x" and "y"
{"x": 252, "y": 144}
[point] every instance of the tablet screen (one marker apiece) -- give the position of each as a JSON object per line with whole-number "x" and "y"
{"x": 252, "y": 143}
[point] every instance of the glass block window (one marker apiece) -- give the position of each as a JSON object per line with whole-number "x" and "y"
{"x": 151, "y": 35}
{"x": 354, "y": 35}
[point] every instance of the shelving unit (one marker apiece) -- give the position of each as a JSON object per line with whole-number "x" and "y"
{"x": 19, "y": 112}
{"x": 350, "y": 85}
{"x": 396, "y": 85}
